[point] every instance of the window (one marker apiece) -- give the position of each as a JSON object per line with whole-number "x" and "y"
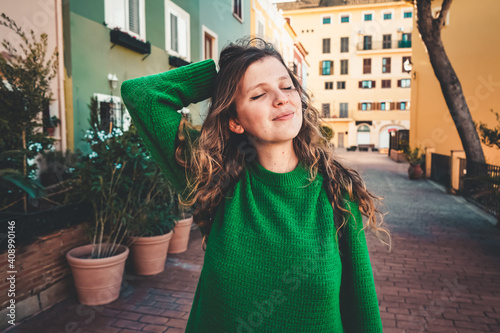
{"x": 343, "y": 110}
{"x": 404, "y": 83}
{"x": 368, "y": 17}
{"x": 407, "y": 14}
{"x": 344, "y": 44}
{"x": 328, "y": 85}
{"x": 387, "y": 41}
{"x": 344, "y": 18}
{"x": 210, "y": 48}
{"x": 405, "y": 40}
{"x": 325, "y": 110}
{"x": 385, "y": 106}
{"x": 237, "y": 10}
{"x": 326, "y": 67}
{"x": 365, "y": 106}
{"x": 177, "y": 31}
{"x": 344, "y": 67}
{"x": 367, "y": 66}
{"x": 366, "y": 84}
{"x": 340, "y": 85}
{"x": 111, "y": 113}
{"x": 386, "y": 65}
{"x": 326, "y": 45}
{"x": 403, "y": 63}
{"x": 367, "y": 42}
{"x": 327, "y": 19}
{"x": 386, "y": 83}
{"x": 127, "y": 15}
{"x": 260, "y": 28}
{"x": 403, "y": 105}
{"x": 387, "y": 16}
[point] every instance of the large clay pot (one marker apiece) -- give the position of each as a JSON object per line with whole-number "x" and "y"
{"x": 97, "y": 281}
{"x": 149, "y": 253}
{"x": 415, "y": 171}
{"x": 180, "y": 238}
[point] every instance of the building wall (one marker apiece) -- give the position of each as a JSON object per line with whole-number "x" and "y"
{"x": 311, "y": 32}
{"x": 42, "y": 17}
{"x": 473, "y": 46}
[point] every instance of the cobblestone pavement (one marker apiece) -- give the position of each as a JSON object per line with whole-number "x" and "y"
{"x": 442, "y": 275}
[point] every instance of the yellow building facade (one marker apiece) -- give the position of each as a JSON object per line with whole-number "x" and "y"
{"x": 356, "y": 53}
{"x": 472, "y": 43}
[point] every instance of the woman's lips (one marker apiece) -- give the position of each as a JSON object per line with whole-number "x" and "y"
{"x": 286, "y": 116}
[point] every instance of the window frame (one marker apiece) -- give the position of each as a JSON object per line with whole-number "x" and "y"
{"x": 341, "y": 16}
{"x": 387, "y": 11}
{"x": 346, "y": 110}
{"x": 386, "y": 80}
{"x": 342, "y": 49}
{"x": 342, "y": 67}
{"x": 328, "y": 85}
{"x": 235, "y": 14}
{"x": 363, "y": 15}
{"x": 386, "y": 66}
{"x": 386, "y": 41}
{"x": 370, "y": 43}
{"x": 406, "y": 85}
{"x": 205, "y": 30}
{"x": 387, "y": 103}
{"x": 326, "y": 16}
{"x": 171, "y": 7}
{"x": 108, "y": 14}
{"x": 329, "y": 45}
{"x": 367, "y": 66}
{"x": 365, "y": 104}
{"x": 323, "y": 67}
{"x": 341, "y": 85}
{"x": 367, "y": 86}
{"x": 405, "y": 11}
{"x": 323, "y": 113}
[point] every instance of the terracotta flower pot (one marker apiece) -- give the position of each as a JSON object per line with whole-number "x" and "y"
{"x": 149, "y": 253}
{"x": 415, "y": 171}
{"x": 180, "y": 238}
{"x": 97, "y": 281}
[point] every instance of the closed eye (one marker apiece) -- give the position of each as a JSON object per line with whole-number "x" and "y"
{"x": 289, "y": 88}
{"x": 256, "y": 97}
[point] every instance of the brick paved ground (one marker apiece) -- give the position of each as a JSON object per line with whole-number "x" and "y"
{"x": 443, "y": 274}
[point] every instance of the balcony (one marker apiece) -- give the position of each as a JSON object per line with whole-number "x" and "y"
{"x": 381, "y": 45}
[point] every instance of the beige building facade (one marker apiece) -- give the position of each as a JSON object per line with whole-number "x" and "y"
{"x": 357, "y": 78}
{"x": 472, "y": 44}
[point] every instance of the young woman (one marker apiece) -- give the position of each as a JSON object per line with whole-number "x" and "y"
{"x": 281, "y": 217}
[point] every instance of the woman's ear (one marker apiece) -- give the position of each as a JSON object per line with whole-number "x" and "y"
{"x": 235, "y": 126}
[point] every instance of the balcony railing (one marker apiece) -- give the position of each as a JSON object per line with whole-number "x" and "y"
{"x": 381, "y": 45}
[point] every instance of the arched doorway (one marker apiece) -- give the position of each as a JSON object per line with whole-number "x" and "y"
{"x": 385, "y": 135}
{"x": 363, "y": 135}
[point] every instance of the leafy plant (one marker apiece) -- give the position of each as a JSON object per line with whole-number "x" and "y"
{"x": 413, "y": 156}
{"x": 125, "y": 187}
{"x": 24, "y": 94}
{"x": 327, "y": 132}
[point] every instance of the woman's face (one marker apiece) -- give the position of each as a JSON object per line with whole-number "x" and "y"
{"x": 268, "y": 106}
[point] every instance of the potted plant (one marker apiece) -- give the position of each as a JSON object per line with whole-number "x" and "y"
{"x": 182, "y": 230}
{"x": 103, "y": 178}
{"x": 50, "y": 123}
{"x": 416, "y": 159}
{"x": 151, "y": 229}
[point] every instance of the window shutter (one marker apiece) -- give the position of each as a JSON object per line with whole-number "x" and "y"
{"x": 115, "y": 14}
{"x": 399, "y": 83}
{"x": 377, "y": 106}
{"x": 359, "y": 106}
{"x": 182, "y": 35}
{"x": 393, "y": 105}
{"x": 133, "y": 16}
{"x": 398, "y": 106}
{"x": 373, "y": 84}
{"x": 321, "y": 68}
{"x": 331, "y": 67}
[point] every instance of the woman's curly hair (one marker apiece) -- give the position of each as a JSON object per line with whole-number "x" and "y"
{"x": 217, "y": 158}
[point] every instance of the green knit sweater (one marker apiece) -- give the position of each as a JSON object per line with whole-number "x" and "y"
{"x": 272, "y": 263}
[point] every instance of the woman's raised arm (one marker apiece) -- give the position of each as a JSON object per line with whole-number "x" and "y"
{"x": 153, "y": 102}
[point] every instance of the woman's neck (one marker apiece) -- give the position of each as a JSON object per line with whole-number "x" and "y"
{"x": 277, "y": 158}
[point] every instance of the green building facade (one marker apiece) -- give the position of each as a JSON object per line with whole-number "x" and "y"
{"x": 116, "y": 40}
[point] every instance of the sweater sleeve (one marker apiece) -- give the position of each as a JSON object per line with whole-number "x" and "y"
{"x": 153, "y": 101}
{"x": 358, "y": 299}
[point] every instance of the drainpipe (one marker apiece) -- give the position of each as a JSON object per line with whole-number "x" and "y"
{"x": 60, "y": 74}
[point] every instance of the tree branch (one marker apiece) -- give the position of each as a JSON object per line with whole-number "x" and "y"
{"x": 445, "y": 7}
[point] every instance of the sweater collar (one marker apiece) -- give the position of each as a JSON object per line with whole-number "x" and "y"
{"x": 298, "y": 176}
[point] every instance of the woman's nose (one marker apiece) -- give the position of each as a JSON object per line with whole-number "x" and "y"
{"x": 280, "y": 98}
